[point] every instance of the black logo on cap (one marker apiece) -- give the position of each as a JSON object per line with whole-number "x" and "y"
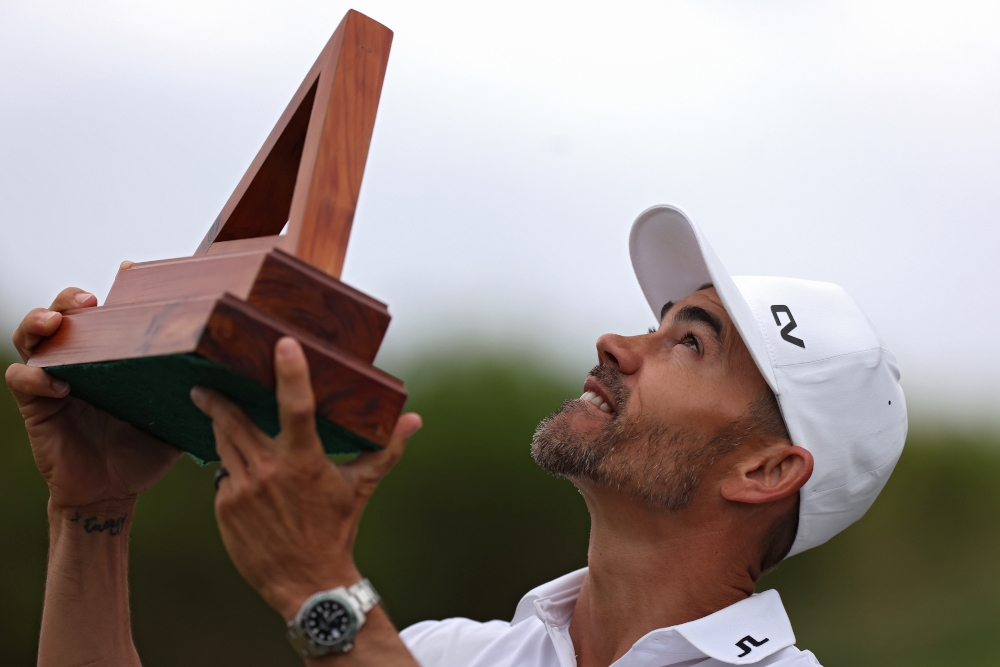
{"x": 742, "y": 644}
{"x": 786, "y": 332}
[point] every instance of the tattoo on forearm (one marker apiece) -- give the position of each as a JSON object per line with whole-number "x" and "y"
{"x": 92, "y": 525}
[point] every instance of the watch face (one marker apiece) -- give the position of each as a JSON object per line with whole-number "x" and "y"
{"x": 328, "y": 622}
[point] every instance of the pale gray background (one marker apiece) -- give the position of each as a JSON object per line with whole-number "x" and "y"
{"x": 856, "y": 142}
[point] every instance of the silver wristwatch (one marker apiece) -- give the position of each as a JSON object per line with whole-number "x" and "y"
{"x": 328, "y": 621}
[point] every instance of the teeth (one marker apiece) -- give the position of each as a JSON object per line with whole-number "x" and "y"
{"x": 594, "y": 398}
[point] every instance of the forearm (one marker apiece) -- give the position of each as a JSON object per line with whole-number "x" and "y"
{"x": 85, "y": 620}
{"x": 377, "y": 645}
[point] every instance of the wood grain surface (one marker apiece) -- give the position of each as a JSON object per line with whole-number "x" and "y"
{"x": 333, "y": 160}
{"x": 90, "y": 335}
{"x": 303, "y": 297}
{"x": 228, "y": 331}
{"x": 247, "y": 285}
{"x": 186, "y": 278}
{"x": 247, "y": 245}
{"x": 312, "y": 302}
{"x": 310, "y": 168}
{"x": 262, "y": 209}
{"x": 348, "y": 392}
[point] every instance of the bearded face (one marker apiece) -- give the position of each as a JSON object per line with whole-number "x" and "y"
{"x": 644, "y": 458}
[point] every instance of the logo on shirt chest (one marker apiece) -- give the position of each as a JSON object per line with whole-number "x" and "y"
{"x": 742, "y": 645}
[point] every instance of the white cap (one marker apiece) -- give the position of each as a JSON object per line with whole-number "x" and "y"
{"x": 836, "y": 381}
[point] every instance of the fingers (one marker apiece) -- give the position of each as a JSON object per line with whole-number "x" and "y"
{"x": 232, "y": 461}
{"x": 26, "y": 382}
{"x": 42, "y": 322}
{"x": 35, "y": 326}
{"x": 73, "y": 297}
{"x": 230, "y": 425}
{"x": 370, "y": 467}
{"x": 296, "y": 404}
{"x": 237, "y": 481}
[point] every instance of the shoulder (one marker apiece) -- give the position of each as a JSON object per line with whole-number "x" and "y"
{"x": 790, "y": 656}
{"x": 467, "y": 643}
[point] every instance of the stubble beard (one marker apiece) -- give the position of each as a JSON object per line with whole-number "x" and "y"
{"x": 657, "y": 463}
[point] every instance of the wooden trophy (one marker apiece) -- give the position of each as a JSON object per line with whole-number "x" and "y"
{"x": 213, "y": 319}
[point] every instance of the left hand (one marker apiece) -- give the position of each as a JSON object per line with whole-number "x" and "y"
{"x": 287, "y": 515}
{"x": 92, "y": 462}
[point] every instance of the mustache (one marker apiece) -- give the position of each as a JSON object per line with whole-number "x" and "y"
{"x": 613, "y": 380}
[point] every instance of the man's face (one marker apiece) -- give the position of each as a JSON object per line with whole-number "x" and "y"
{"x": 675, "y": 401}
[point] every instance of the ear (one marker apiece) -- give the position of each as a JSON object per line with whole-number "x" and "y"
{"x": 771, "y": 473}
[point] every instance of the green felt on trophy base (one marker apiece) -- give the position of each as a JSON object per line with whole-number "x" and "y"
{"x": 153, "y": 394}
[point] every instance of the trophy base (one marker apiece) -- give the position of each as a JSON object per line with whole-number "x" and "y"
{"x": 138, "y": 362}
{"x": 153, "y": 394}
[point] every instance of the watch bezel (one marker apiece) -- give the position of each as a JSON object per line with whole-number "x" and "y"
{"x": 308, "y": 645}
{"x": 348, "y": 633}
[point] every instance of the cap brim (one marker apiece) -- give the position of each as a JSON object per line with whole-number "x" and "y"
{"x": 672, "y": 259}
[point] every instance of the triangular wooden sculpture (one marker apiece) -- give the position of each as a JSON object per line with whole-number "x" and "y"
{"x": 213, "y": 319}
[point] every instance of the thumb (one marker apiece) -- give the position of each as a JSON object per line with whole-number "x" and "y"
{"x": 368, "y": 469}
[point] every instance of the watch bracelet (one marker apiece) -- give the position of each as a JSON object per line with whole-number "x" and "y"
{"x": 362, "y": 594}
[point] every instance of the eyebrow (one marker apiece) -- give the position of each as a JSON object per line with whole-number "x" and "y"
{"x": 694, "y": 314}
{"x": 670, "y": 304}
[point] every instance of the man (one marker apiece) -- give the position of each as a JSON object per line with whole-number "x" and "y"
{"x": 759, "y": 419}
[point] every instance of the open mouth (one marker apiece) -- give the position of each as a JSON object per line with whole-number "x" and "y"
{"x": 594, "y": 393}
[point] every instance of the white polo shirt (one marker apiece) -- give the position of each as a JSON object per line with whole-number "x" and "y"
{"x": 754, "y": 631}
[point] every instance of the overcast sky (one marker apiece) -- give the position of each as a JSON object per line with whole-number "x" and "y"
{"x": 856, "y": 142}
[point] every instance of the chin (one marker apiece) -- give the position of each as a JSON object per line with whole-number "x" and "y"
{"x": 573, "y": 419}
{"x": 563, "y": 442}
{"x": 582, "y": 421}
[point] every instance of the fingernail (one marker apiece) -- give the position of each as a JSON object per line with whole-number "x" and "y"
{"x": 419, "y": 425}
{"x": 83, "y": 297}
{"x": 288, "y": 348}
{"x": 48, "y": 318}
{"x": 60, "y": 386}
{"x": 127, "y": 264}
{"x": 197, "y": 396}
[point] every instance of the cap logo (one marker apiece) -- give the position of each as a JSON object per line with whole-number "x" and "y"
{"x": 786, "y": 333}
{"x": 742, "y": 644}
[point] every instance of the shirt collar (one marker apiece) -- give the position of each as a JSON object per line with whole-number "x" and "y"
{"x": 565, "y": 589}
{"x": 740, "y": 634}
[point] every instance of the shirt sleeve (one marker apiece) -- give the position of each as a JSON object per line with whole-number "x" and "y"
{"x": 453, "y": 642}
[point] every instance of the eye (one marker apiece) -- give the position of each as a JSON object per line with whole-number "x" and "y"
{"x": 691, "y": 342}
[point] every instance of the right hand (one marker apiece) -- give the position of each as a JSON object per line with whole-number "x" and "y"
{"x": 87, "y": 457}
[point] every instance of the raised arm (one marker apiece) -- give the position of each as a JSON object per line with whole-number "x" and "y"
{"x": 95, "y": 466}
{"x": 288, "y": 516}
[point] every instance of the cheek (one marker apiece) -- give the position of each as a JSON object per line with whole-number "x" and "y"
{"x": 684, "y": 400}
{"x": 663, "y": 392}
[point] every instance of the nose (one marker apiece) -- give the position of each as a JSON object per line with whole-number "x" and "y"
{"x": 621, "y": 352}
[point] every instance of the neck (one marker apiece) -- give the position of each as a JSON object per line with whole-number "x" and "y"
{"x": 651, "y": 569}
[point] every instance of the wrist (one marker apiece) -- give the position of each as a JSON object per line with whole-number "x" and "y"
{"x": 287, "y": 597}
{"x": 112, "y": 517}
{"x": 106, "y": 506}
